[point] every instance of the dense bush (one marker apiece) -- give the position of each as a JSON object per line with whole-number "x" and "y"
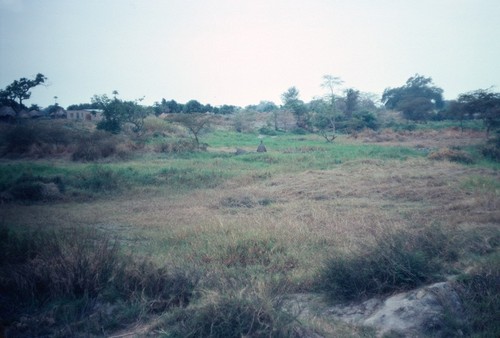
{"x": 29, "y": 188}
{"x": 95, "y": 146}
{"x": 19, "y": 139}
{"x": 77, "y": 277}
{"x": 491, "y": 149}
{"x": 397, "y": 261}
{"x": 42, "y": 139}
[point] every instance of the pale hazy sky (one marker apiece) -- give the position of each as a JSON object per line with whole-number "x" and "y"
{"x": 243, "y": 51}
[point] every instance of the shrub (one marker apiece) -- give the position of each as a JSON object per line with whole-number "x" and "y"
{"x": 299, "y": 131}
{"x": 162, "y": 287}
{"x": 37, "y": 140}
{"x": 27, "y": 191}
{"x": 235, "y": 313}
{"x": 158, "y": 127}
{"x": 177, "y": 147}
{"x": 19, "y": 139}
{"x": 28, "y": 187}
{"x": 99, "y": 179}
{"x": 397, "y": 261}
{"x": 480, "y": 293}
{"x": 491, "y": 149}
{"x": 95, "y": 146}
{"x": 77, "y": 277}
{"x": 248, "y": 252}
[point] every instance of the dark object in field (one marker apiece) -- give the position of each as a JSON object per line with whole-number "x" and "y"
{"x": 240, "y": 151}
{"x": 261, "y": 148}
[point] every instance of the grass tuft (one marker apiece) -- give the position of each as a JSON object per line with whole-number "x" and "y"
{"x": 79, "y": 280}
{"x": 396, "y": 261}
{"x": 480, "y": 293}
{"x": 248, "y": 312}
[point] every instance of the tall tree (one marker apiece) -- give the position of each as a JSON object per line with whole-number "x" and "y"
{"x": 417, "y": 99}
{"x": 292, "y": 103}
{"x": 116, "y": 113}
{"x": 482, "y": 104}
{"x": 193, "y": 106}
{"x": 19, "y": 90}
{"x": 323, "y": 121}
{"x": 330, "y": 83}
{"x": 351, "y": 101}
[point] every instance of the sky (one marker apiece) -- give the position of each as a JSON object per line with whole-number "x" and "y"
{"x": 240, "y": 52}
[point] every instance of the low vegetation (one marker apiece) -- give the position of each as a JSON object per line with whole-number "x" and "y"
{"x": 150, "y": 233}
{"x": 394, "y": 262}
{"x": 72, "y": 281}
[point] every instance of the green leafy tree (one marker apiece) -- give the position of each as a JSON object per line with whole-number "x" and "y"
{"x": 482, "y": 104}
{"x": 168, "y": 107}
{"x": 19, "y": 90}
{"x": 456, "y": 111}
{"x": 417, "y": 99}
{"x": 292, "y": 103}
{"x": 193, "y": 106}
{"x": 116, "y": 113}
{"x": 351, "y": 101}
{"x": 266, "y": 106}
{"x": 196, "y": 123}
{"x": 322, "y": 120}
{"x": 225, "y": 109}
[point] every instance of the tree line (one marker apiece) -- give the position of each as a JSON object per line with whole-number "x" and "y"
{"x": 339, "y": 109}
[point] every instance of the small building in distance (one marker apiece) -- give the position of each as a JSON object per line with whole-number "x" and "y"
{"x": 84, "y": 115}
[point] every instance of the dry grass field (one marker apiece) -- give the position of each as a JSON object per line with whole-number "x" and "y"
{"x": 277, "y": 224}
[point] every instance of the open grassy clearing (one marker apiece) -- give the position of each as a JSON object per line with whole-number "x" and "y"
{"x": 261, "y": 222}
